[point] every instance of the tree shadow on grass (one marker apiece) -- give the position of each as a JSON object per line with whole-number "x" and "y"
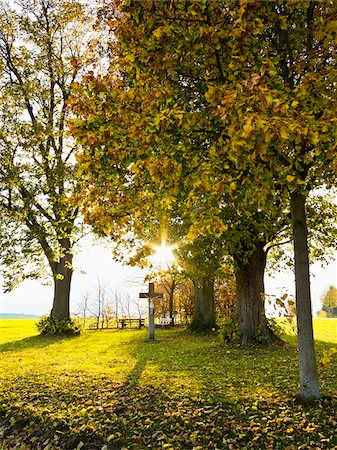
{"x": 142, "y": 412}
{"x": 263, "y": 371}
{"x": 133, "y": 378}
{"x": 100, "y": 412}
{"x": 39, "y": 341}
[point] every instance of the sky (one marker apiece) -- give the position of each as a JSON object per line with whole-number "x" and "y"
{"x": 320, "y": 279}
{"x": 96, "y": 261}
{"x": 93, "y": 262}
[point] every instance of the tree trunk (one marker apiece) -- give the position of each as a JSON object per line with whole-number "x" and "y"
{"x": 62, "y": 274}
{"x": 204, "y": 313}
{"x": 171, "y": 296}
{"x": 250, "y": 310}
{"x": 309, "y": 386}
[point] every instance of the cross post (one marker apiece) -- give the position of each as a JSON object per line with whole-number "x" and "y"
{"x": 151, "y": 295}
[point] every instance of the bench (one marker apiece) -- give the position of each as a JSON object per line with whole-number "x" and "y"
{"x": 125, "y": 322}
{"x": 164, "y": 322}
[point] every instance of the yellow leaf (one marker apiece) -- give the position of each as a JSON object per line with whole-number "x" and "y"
{"x": 268, "y": 137}
{"x": 59, "y": 276}
{"x": 248, "y": 127}
{"x": 255, "y": 78}
{"x": 283, "y": 22}
{"x": 193, "y": 233}
{"x": 290, "y": 178}
{"x": 284, "y": 133}
{"x": 211, "y": 93}
{"x": 159, "y": 32}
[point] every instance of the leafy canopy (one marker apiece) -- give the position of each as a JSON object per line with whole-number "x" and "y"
{"x": 41, "y": 46}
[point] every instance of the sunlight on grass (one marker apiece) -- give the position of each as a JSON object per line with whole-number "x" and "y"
{"x": 15, "y": 330}
{"x": 93, "y": 352}
{"x": 112, "y": 384}
{"x": 326, "y": 330}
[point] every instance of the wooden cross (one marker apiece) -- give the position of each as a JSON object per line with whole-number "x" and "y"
{"x": 151, "y": 295}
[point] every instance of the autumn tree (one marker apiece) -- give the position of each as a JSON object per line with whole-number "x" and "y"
{"x": 236, "y": 99}
{"x": 184, "y": 302}
{"x": 224, "y": 293}
{"x": 168, "y": 108}
{"x": 167, "y": 281}
{"x": 280, "y": 105}
{"x": 329, "y": 301}
{"x": 42, "y": 44}
{"x": 165, "y": 112}
{"x": 201, "y": 260}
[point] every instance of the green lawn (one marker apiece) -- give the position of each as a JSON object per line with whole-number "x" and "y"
{"x": 112, "y": 390}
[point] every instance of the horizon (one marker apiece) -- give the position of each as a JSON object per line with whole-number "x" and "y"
{"x": 32, "y": 298}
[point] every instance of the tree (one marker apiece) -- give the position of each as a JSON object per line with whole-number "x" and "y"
{"x": 329, "y": 301}
{"x": 201, "y": 261}
{"x": 99, "y": 307}
{"x": 184, "y": 302}
{"x": 167, "y": 281}
{"x": 42, "y": 44}
{"x": 235, "y": 98}
{"x": 281, "y": 106}
{"x": 83, "y": 308}
{"x": 171, "y": 112}
{"x": 141, "y": 185}
{"x": 224, "y": 293}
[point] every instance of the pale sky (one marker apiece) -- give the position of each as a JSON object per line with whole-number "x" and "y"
{"x": 96, "y": 261}
{"x": 320, "y": 279}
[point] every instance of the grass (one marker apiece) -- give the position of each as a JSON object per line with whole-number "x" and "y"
{"x": 109, "y": 389}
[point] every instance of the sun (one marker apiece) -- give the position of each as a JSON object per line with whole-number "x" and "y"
{"x": 163, "y": 256}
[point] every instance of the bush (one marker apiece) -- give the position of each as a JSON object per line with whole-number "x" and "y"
{"x": 229, "y": 331}
{"x": 52, "y": 326}
{"x": 281, "y": 326}
{"x": 230, "y": 334}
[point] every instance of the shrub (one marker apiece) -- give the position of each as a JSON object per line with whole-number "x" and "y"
{"x": 282, "y": 325}
{"x": 322, "y": 314}
{"x": 230, "y": 334}
{"x": 229, "y": 331}
{"x": 52, "y": 326}
{"x": 325, "y": 361}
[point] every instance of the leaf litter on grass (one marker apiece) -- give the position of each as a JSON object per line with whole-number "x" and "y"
{"x": 185, "y": 392}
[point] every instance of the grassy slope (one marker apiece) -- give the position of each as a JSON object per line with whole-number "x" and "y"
{"x": 112, "y": 389}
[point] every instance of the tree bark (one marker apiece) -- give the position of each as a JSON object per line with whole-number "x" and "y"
{"x": 171, "y": 296}
{"x": 62, "y": 274}
{"x": 250, "y": 310}
{"x": 204, "y": 313}
{"x": 309, "y": 386}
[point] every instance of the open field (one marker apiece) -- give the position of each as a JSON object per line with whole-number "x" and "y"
{"x": 111, "y": 390}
